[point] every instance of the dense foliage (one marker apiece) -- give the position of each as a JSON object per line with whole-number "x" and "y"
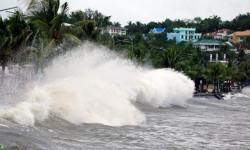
{"x": 46, "y": 33}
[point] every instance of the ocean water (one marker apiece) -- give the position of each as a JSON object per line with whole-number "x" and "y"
{"x": 92, "y": 98}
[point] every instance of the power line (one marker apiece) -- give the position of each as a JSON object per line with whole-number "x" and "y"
{"x": 9, "y": 8}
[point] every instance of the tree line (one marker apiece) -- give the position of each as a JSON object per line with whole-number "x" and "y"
{"x": 210, "y": 24}
{"x": 45, "y": 33}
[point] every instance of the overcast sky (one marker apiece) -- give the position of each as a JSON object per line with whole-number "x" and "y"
{"x": 152, "y": 10}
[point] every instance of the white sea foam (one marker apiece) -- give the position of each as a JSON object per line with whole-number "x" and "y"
{"x": 95, "y": 85}
{"x": 246, "y": 91}
{"x": 227, "y": 96}
{"x": 235, "y": 95}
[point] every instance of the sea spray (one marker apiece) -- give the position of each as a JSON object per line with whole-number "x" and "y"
{"x": 94, "y": 85}
{"x": 246, "y": 91}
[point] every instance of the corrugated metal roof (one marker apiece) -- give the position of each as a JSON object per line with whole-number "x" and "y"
{"x": 159, "y": 29}
{"x": 151, "y": 30}
{"x": 115, "y": 27}
{"x": 209, "y": 41}
{"x": 224, "y": 30}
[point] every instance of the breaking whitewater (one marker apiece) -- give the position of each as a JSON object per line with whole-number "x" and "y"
{"x": 91, "y": 84}
{"x": 93, "y": 98}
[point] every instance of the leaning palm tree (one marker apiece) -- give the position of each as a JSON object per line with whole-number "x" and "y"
{"x": 50, "y": 21}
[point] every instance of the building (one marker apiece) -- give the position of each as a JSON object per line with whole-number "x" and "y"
{"x": 238, "y": 36}
{"x": 245, "y": 47}
{"x": 114, "y": 30}
{"x": 224, "y": 31}
{"x": 184, "y": 34}
{"x": 219, "y": 34}
{"x": 215, "y": 35}
{"x": 157, "y": 30}
{"x": 209, "y": 45}
{"x": 216, "y": 60}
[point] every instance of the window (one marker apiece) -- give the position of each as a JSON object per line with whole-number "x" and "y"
{"x": 182, "y": 36}
{"x": 186, "y": 32}
{"x": 186, "y": 37}
{"x": 194, "y": 37}
{"x": 242, "y": 38}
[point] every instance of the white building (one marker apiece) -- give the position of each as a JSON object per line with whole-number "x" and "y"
{"x": 219, "y": 35}
{"x": 209, "y": 45}
{"x": 114, "y": 30}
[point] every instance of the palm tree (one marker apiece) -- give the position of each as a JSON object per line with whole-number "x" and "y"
{"x": 106, "y": 39}
{"x": 50, "y": 21}
{"x": 5, "y": 40}
{"x": 88, "y": 28}
{"x": 139, "y": 53}
{"x": 216, "y": 71}
{"x": 226, "y": 49}
{"x": 14, "y": 34}
{"x": 138, "y": 26}
{"x": 244, "y": 71}
{"x": 168, "y": 57}
{"x": 130, "y": 26}
{"x": 205, "y": 26}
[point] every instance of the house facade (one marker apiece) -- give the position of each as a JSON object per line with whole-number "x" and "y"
{"x": 238, "y": 36}
{"x": 157, "y": 30}
{"x": 184, "y": 34}
{"x": 215, "y": 35}
{"x": 209, "y": 45}
{"x": 245, "y": 47}
{"x": 114, "y": 30}
{"x": 219, "y": 34}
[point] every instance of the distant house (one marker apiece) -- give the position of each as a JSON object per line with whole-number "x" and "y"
{"x": 114, "y": 30}
{"x": 209, "y": 45}
{"x": 245, "y": 47}
{"x": 157, "y": 30}
{"x": 184, "y": 34}
{"x": 214, "y": 35}
{"x": 224, "y": 31}
{"x": 219, "y": 34}
{"x": 238, "y": 36}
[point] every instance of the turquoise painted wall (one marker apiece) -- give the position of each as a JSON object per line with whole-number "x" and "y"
{"x": 184, "y": 34}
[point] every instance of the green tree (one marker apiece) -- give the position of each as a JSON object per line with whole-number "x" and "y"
{"x": 216, "y": 71}
{"x": 50, "y": 21}
{"x": 130, "y": 26}
{"x": 15, "y": 32}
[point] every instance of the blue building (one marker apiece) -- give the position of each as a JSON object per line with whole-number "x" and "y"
{"x": 184, "y": 34}
{"x": 157, "y": 30}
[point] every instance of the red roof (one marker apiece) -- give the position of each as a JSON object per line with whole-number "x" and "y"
{"x": 210, "y": 34}
{"x": 224, "y": 30}
{"x": 245, "y": 47}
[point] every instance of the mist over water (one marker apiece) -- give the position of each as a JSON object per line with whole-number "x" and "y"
{"x": 92, "y": 84}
